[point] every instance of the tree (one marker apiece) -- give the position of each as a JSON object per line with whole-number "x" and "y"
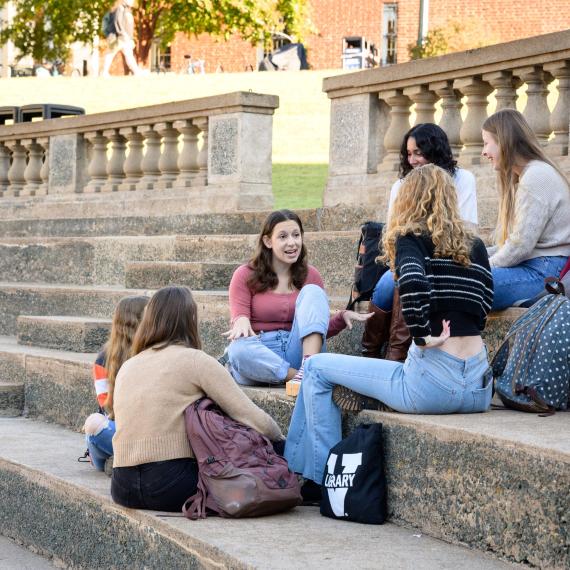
{"x": 46, "y": 28}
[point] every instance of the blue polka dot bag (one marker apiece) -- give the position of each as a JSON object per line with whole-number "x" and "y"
{"x": 532, "y": 366}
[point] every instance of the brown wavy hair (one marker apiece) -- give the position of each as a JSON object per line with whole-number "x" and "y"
{"x": 126, "y": 318}
{"x": 427, "y": 204}
{"x": 171, "y": 317}
{"x": 263, "y": 277}
{"x": 517, "y": 142}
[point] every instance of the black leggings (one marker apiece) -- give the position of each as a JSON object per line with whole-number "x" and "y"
{"x": 158, "y": 486}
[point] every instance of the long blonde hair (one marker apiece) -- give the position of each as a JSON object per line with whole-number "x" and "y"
{"x": 126, "y": 318}
{"x": 427, "y": 204}
{"x": 517, "y": 143}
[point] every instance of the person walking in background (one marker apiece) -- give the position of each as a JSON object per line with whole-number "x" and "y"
{"x": 533, "y": 228}
{"x": 100, "y": 427}
{"x": 123, "y": 39}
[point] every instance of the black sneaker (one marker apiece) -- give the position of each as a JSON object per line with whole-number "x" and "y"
{"x": 224, "y": 359}
{"x": 351, "y": 401}
{"x": 311, "y": 493}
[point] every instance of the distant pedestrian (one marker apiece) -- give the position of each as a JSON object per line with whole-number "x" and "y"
{"x": 122, "y": 40}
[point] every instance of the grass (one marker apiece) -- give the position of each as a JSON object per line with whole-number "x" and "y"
{"x": 297, "y": 186}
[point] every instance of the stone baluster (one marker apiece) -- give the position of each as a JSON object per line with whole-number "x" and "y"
{"x": 4, "y": 168}
{"x": 150, "y": 168}
{"x": 168, "y": 162}
{"x": 44, "y": 170}
{"x": 476, "y": 91}
{"x": 132, "y": 165}
{"x": 536, "y": 111}
{"x": 97, "y": 169}
{"x": 32, "y": 173}
{"x": 202, "y": 178}
{"x": 188, "y": 158}
{"x": 505, "y": 85}
{"x": 560, "y": 116}
{"x": 425, "y": 100}
{"x": 451, "y": 113}
{"x": 399, "y": 125}
{"x": 116, "y": 163}
{"x": 17, "y": 168}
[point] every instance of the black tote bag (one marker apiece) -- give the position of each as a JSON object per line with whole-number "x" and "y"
{"x": 354, "y": 482}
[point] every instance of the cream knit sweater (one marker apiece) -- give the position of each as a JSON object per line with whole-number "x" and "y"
{"x": 152, "y": 391}
{"x": 542, "y": 218}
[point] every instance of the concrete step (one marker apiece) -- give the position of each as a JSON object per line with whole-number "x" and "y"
{"x": 11, "y": 399}
{"x": 14, "y": 555}
{"x": 38, "y": 466}
{"x": 194, "y": 274}
{"x": 76, "y": 334}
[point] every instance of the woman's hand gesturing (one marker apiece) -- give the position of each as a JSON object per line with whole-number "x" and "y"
{"x": 439, "y": 340}
{"x": 240, "y": 328}
{"x": 350, "y": 316}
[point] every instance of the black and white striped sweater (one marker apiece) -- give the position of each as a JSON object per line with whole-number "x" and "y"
{"x": 432, "y": 289}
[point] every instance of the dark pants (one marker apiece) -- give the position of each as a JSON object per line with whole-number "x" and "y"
{"x": 158, "y": 486}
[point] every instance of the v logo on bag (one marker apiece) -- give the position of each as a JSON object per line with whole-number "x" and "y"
{"x": 338, "y": 485}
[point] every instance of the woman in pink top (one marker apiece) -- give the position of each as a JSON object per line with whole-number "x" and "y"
{"x": 279, "y": 309}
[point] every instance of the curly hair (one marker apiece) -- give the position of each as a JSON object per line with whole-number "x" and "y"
{"x": 263, "y": 277}
{"x": 126, "y": 318}
{"x": 516, "y": 141}
{"x": 433, "y": 143}
{"x": 427, "y": 204}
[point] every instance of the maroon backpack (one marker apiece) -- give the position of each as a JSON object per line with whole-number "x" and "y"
{"x": 239, "y": 473}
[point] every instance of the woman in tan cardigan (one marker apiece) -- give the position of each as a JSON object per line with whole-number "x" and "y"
{"x": 154, "y": 466}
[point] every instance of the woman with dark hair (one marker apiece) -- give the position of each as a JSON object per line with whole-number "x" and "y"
{"x": 425, "y": 143}
{"x": 279, "y": 309}
{"x": 154, "y": 466}
{"x": 532, "y": 239}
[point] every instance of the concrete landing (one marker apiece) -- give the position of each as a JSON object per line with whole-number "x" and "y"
{"x": 16, "y": 557}
{"x": 42, "y": 458}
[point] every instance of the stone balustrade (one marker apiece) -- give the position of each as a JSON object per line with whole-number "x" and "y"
{"x": 371, "y": 110}
{"x": 215, "y": 151}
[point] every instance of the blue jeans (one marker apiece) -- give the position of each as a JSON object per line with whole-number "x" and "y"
{"x": 430, "y": 381}
{"x": 100, "y": 446}
{"x": 267, "y": 357}
{"x": 383, "y": 294}
{"x": 524, "y": 280}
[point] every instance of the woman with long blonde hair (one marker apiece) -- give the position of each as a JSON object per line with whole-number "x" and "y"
{"x": 100, "y": 427}
{"x": 446, "y": 291}
{"x": 533, "y": 229}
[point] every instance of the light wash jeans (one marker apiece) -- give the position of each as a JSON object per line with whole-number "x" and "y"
{"x": 266, "y": 358}
{"x": 523, "y": 281}
{"x": 100, "y": 446}
{"x": 383, "y": 294}
{"x": 430, "y": 381}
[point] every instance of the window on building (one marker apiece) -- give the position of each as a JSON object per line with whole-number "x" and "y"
{"x": 160, "y": 58}
{"x": 389, "y": 34}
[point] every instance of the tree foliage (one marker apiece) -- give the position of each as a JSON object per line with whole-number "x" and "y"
{"x": 46, "y": 28}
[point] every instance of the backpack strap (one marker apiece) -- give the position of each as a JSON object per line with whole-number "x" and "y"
{"x": 195, "y": 506}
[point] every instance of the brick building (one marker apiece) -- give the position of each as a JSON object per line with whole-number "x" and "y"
{"x": 390, "y": 25}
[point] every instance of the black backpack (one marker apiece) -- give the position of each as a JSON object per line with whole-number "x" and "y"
{"x": 367, "y": 271}
{"x": 108, "y": 26}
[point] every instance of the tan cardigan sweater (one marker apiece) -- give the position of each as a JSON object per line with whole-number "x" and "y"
{"x": 152, "y": 391}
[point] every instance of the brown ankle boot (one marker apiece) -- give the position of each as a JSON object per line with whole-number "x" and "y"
{"x": 400, "y": 338}
{"x": 376, "y": 331}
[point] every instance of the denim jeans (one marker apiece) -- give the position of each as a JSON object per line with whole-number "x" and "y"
{"x": 524, "y": 280}
{"x": 100, "y": 446}
{"x": 267, "y": 357}
{"x": 158, "y": 486}
{"x": 383, "y": 294}
{"x": 430, "y": 381}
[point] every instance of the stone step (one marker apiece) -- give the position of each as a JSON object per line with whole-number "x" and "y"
{"x": 37, "y": 466}
{"x": 194, "y": 274}
{"x": 11, "y": 399}
{"x": 76, "y": 334}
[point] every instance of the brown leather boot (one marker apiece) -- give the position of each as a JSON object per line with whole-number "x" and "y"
{"x": 376, "y": 331}
{"x": 400, "y": 338}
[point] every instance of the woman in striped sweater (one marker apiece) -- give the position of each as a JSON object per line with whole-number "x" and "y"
{"x": 100, "y": 427}
{"x": 446, "y": 291}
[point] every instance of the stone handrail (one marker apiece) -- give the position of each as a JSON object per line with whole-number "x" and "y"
{"x": 370, "y": 110}
{"x": 218, "y": 148}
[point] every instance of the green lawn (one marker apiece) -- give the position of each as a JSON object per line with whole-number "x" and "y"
{"x": 298, "y": 186}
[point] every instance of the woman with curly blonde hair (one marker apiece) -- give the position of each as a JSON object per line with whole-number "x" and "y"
{"x": 446, "y": 291}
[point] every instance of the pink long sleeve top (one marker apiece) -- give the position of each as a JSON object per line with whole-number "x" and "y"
{"x": 270, "y": 311}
